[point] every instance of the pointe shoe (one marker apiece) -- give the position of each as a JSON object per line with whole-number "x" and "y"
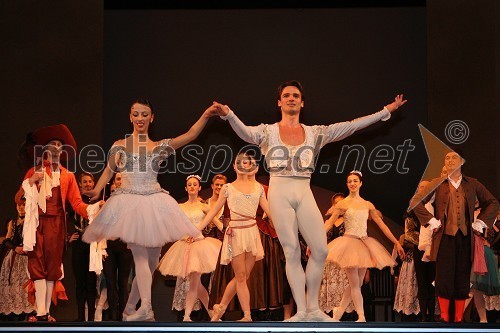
{"x": 299, "y": 316}
{"x": 145, "y": 313}
{"x": 218, "y": 312}
{"x": 247, "y": 319}
{"x": 128, "y": 311}
{"x": 361, "y": 320}
{"x": 318, "y": 315}
{"x": 186, "y": 318}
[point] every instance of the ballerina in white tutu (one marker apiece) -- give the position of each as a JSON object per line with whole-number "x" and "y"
{"x": 188, "y": 259}
{"x": 140, "y": 212}
{"x": 355, "y": 251}
{"x": 242, "y": 245}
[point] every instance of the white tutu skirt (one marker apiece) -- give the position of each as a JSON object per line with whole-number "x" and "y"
{"x": 351, "y": 252}
{"x": 240, "y": 241}
{"x": 149, "y": 220}
{"x": 185, "y": 258}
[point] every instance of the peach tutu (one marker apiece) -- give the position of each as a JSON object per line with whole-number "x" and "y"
{"x": 184, "y": 258}
{"x": 350, "y": 252}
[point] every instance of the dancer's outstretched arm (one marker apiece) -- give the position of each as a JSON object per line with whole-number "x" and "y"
{"x": 385, "y": 229}
{"x": 342, "y": 130}
{"x": 218, "y": 223}
{"x": 195, "y": 130}
{"x": 251, "y": 134}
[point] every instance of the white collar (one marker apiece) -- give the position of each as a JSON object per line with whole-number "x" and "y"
{"x": 457, "y": 183}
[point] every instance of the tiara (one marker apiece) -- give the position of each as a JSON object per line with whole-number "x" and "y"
{"x": 357, "y": 172}
{"x": 194, "y": 176}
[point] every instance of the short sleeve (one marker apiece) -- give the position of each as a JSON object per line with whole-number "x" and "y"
{"x": 225, "y": 190}
{"x": 262, "y": 192}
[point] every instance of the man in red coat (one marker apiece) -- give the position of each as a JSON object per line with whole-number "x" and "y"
{"x": 48, "y": 187}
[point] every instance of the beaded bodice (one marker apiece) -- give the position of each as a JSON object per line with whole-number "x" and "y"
{"x": 193, "y": 212}
{"x": 140, "y": 170}
{"x": 355, "y": 222}
{"x": 241, "y": 205}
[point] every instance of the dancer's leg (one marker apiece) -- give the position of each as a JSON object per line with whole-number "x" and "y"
{"x": 240, "y": 264}
{"x": 192, "y": 294}
{"x": 338, "y": 312}
{"x": 142, "y": 271}
{"x": 133, "y": 298}
{"x": 145, "y": 260}
{"x": 153, "y": 258}
{"x": 203, "y": 294}
{"x": 357, "y": 297}
{"x": 352, "y": 292}
{"x": 230, "y": 290}
{"x": 311, "y": 226}
{"x": 285, "y": 223}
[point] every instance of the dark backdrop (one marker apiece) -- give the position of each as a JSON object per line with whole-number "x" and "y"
{"x": 351, "y": 61}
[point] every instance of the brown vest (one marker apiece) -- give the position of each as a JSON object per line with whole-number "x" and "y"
{"x": 456, "y": 218}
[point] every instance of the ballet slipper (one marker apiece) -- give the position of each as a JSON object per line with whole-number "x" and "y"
{"x": 128, "y": 311}
{"x": 145, "y": 313}
{"x": 218, "y": 312}
{"x": 299, "y": 316}
{"x": 318, "y": 315}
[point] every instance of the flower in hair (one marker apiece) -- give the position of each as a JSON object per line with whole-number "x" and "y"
{"x": 194, "y": 176}
{"x": 357, "y": 172}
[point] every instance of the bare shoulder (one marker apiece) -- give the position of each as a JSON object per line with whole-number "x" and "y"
{"x": 120, "y": 142}
{"x": 342, "y": 204}
{"x": 370, "y": 205}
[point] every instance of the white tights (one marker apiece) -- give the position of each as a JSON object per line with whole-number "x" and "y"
{"x": 196, "y": 291}
{"x": 145, "y": 259}
{"x": 294, "y": 209}
{"x": 353, "y": 292}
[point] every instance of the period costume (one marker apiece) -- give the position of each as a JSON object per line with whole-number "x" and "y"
{"x": 453, "y": 244}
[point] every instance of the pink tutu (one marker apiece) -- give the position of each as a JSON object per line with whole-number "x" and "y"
{"x": 149, "y": 220}
{"x": 349, "y": 252}
{"x": 184, "y": 258}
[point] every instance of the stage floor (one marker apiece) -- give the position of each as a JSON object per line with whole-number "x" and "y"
{"x": 245, "y": 327}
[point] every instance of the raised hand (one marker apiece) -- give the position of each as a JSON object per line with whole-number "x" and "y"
{"x": 222, "y": 110}
{"x": 398, "y": 101}
{"x": 212, "y": 110}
